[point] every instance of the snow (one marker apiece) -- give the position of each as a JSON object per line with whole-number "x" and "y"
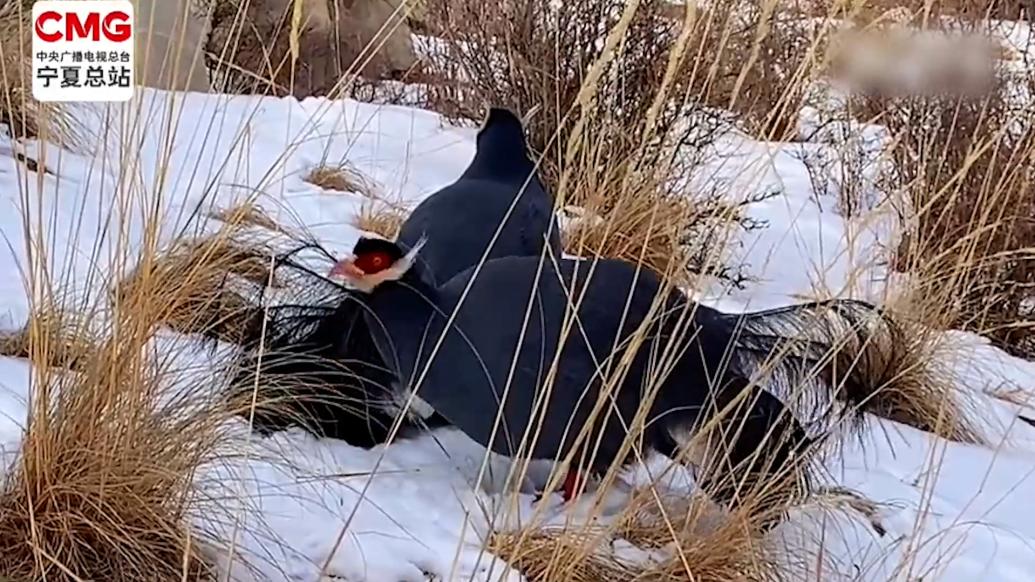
{"x": 836, "y": 256}
{"x": 422, "y": 508}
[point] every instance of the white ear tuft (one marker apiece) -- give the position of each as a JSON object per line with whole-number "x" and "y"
{"x": 402, "y": 265}
{"x": 423, "y": 240}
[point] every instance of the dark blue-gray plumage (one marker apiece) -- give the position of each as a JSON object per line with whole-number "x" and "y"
{"x": 315, "y": 357}
{"x": 497, "y": 208}
{"x": 505, "y": 350}
{"x": 315, "y": 365}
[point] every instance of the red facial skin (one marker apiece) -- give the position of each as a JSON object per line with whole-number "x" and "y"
{"x": 371, "y": 263}
{"x": 362, "y": 265}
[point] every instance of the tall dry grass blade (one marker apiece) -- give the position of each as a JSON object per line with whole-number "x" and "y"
{"x": 101, "y": 489}
{"x": 200, "y": 275}
{"x": 25, "y": 116}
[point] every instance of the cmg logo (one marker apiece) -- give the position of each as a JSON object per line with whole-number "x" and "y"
{"x": 54, "y": 26}
{"x": 83, "y": 50}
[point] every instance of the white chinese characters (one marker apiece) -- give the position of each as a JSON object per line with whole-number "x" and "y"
{"x": 82, "y": 51}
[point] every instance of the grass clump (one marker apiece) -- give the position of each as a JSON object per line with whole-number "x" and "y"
{"x": 340, "y": 177}
{"x": 380, "y": 218}
{"x": 557, "y": 555}
{"x": 688, "y": 540}
{"x": 674, "y": 235}
{"x": 101, "y": 489}
{"x": 199, "y": 275}
{"x": 25, "y": 116}
{"x": 66, "y": 335}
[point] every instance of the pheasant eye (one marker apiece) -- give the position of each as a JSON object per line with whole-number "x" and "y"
{"x": 375, "y": 262}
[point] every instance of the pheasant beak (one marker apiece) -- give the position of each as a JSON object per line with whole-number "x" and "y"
{"x": 346, "y": 269}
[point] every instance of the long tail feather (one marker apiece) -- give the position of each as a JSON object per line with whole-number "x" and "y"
{"x": 824, "y": 358}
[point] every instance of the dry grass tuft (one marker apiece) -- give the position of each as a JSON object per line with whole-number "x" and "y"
{"x": 641, "y": 230}
{"x": 675, "y": 235}
{"x": 646, "y": 524}
{"x": 693, "y": 542}
{"x": 920, "y": 392}
{"x": 905, "y": 375}
{"x": 66, "y": 336}
{"x": 549, "y": 555}
{"x": 199, "y": 276}
{"x": 102, "y": 485}
{"x": 734, "y": 552}
{"x": 18, "y": 110}
{"x": 380, "y": 218}
{"x": 247, "y": 214}
{"x": 342, "y": 178}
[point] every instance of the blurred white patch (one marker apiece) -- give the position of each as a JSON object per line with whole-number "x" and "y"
{"x": 900, "y": 61}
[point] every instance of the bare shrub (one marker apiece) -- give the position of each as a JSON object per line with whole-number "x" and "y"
{"x": 758, "y": 59}
{"x": 529, "y": 56}
{"x": 753, "y": 58}
{"x": 621, "y": 125}
{"x": 966, "y": 165}
{"x": 969, "y": 10}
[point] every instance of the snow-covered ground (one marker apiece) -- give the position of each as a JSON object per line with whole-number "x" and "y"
{"x": 416, "y": 510}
